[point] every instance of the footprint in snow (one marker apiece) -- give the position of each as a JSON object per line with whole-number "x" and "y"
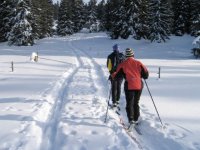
{"x": 73, "y": 132}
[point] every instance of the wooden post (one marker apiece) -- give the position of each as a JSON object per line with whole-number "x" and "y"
{"x": 159, "y": 72}
{"x": 36, "y": 57}
{"x": 12, "y": 66}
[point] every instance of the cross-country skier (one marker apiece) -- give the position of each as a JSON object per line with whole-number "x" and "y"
{"x": 113, "y": 60}
{"x": 133, "y": 71}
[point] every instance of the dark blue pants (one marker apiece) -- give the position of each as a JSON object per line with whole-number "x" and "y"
{"x": 116, "y": 89}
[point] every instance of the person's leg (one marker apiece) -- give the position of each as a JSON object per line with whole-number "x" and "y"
{"x": 114, "y": 91}
{"x": 119, "y": 83}
{"x": 136, "y": 107}
{"x": 129, "y": 94}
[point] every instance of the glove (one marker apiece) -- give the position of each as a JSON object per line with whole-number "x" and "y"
{"x": 113, "y": 75}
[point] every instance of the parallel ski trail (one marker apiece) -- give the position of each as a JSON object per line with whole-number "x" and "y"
{"x": 81, "y": 84}
{"x": 77, "y": 118}
{"x": 142, "y": 140}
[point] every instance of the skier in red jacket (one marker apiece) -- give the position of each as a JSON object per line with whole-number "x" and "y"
{"x": 133, "y": 71}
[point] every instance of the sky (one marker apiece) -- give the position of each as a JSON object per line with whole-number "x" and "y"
{"x": 60, "y": 101}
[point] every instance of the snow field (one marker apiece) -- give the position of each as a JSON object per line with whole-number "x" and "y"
{"x": 60, "y": 101}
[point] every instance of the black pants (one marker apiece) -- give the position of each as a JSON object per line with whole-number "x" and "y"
{"x": 116, "y": 89}
{"x": 132, "y": 103}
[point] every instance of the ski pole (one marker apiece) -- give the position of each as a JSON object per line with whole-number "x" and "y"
{"x": 154, "y": 103}
{"x": 107, "y": 105}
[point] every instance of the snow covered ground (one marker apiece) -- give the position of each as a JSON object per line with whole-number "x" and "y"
{"x": 59, "y": 102}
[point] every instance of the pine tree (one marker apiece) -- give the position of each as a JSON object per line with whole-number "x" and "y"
{"x": 92, "y": 21}
{"x": 101, "y": 15}
{"x": 119, "y": 26}
{"x": 143, "y": 28}
{"x": 65, "y": 24}
{"x": 181, "y": 10}
{"x": 132, "y": 16}
{"x": 49, "y": 17}
{"x": 42, "y": 11}
{"x": 21, "y": 32}
{"x": 36, "y": 11}
{"x": 160, "y": 20}
{"x": 122, "y": 24}
{"x": 108, "y": 15}
{"x": 55, "y": 11}
{"x": 195, "y": 18}
{"x": 6, "y": 7}
{"x": 77, "y": 14}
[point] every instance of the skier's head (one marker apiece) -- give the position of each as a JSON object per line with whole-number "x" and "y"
{"x": 129, "y": 52}
{"x": 116, "y": 47}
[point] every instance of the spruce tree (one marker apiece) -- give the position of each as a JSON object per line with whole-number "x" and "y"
{"x": 119, "y": 26}
{"x": 160, "y": 21}
{"x": 101, "y": 15}
{"x": 46, "y": 18}
{"x": 181, "y": 10}
{"x": 49, "y": 17}
{"x": 65, "y": 24}
{"x": 42, "y": 11}
{"x": 92, "y": 21}
{"x": 143, "y": 28}
{"x": 77, "y": 14}
{"x": 6, "y": 7}
{"x": 55, "y": 11}
{"x": 21, "y": 32}
{"x": 108, "y": 15}
{"x": 36, "y": 11}
{"x": 195, "y": 18}
{"x": 132, "y": 16}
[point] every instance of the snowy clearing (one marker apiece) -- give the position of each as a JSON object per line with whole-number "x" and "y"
{"x": 59, "y": 102}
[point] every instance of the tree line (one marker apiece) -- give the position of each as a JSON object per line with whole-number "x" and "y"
{"x": 24, "y": 21}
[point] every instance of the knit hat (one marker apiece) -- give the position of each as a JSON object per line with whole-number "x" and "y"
{"x": 116, "y": 47}
{"x": 129, "y": 52}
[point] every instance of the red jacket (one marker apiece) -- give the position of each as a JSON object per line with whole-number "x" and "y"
{"x": 133, "y": 71}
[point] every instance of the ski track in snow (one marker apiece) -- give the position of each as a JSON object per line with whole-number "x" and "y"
{"x": 69, "y": 127}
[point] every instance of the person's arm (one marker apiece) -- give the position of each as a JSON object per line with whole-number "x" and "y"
{"x": 144, "y": 72}
{"x": 118, "y": 73}
{"x": 109, "y": 64}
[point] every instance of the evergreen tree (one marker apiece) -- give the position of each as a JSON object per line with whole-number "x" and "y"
{"x": 119, "y": 26}
{"x": 195, "y": 18}
{"x": 49, "y": 17}
{"x": 36, "y": 11}
{"x": 43, "y": 18}
{"x": 108, "y": 14}
{"x": 55, "y": 11}
{"x": 143, "y": 28}
{"x": 77, "y": 14}
{"x": 21, "y": 32}
{"x": 101, "y": 15}
{"x": 181, "y": 10}
{"x": 92, "y": 16}
{"x": 6, "y": 7}
{"x": 132, "y": 16}
{"x": 65, "y": 24}
{"x": 159, "y": 20}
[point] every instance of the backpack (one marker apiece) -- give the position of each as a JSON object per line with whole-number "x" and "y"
{"x": 121, "y": 58}
{"x": 113, "y": 60}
